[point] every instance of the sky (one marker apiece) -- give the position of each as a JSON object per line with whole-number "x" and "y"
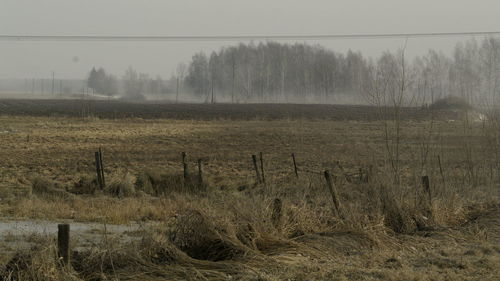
{"x": 36, "y": 59}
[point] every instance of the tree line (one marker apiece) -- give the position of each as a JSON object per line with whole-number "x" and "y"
{"x": 271, "y": 71}
{"x": 275, "y": 72}
{"x": 132, "y": 85}
{"x": 268, "y": 72}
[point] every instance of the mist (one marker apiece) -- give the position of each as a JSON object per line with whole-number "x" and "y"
{"x": 72, "y": 60}
{"x": 48, "y": 68}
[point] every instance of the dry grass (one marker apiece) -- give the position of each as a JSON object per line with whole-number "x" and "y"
{"x": 231, "y": 228}
{"x": 204, "y": 238}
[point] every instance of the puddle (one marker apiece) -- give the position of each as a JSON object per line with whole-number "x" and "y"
{"x": 50, "y": 227}
{"x": 20, "y": 235}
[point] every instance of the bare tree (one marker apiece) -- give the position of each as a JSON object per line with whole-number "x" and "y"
{"x": 180, "y": 74}
{"x": 388, "y": 90}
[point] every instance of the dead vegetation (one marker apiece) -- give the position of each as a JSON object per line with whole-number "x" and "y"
{"x": 231, "y": 234}
{"x": 202, "y": 239}
{"x": 232, "y": 228}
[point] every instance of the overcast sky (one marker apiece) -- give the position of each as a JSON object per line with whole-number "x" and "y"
{"x": 216, "y": 17}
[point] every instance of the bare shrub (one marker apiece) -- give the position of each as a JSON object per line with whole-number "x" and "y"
{"x": 46, "y": 188}
{"x": 155, "y": 183}
{"x": 144, "y": 182}
{"x": 200, "y": 238}
{"x": 85, "y": 185}
{"x": 122, "y": 186}
{"x": 38, "y": 263}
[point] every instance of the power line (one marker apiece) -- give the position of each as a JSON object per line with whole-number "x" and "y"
{"x": 238, "y": 37}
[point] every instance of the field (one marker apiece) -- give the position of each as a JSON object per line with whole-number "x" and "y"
{"x": 151, "y": 223}
{"x": 116, "y": 109}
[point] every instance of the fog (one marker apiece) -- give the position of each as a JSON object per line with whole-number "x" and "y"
{"x": 34, "y": 63}
{"x": 218, "y": 17}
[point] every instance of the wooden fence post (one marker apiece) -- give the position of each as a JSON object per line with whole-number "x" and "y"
{"x": 256, "y": 167}
{"x": 98, "y": 170}
{"x": 295, "y": 166}
{"x": 102, "y": 168}
{"x": 262, "y": 168}
{"x": 63, "y": 249}
{"x": 441, "y": 170}
{"x": 185, "y": 165}
{"x": 333, "y": 192}
{"x": 200, "y": 172}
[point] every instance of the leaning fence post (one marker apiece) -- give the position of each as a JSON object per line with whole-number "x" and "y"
{"x": 200, "y": 172}
{"x": 441, "y": 170}
{"x": 256, "y": 167}
{"x": 185, "y": 165}
{"x": 98, "y": 170}
{"x": 63, "y": 249}
{"x": 102, "y": 168}
{"x": 333, "y": 193}
{"x": 295, "y": 166}
{"x": 262, "y": 168}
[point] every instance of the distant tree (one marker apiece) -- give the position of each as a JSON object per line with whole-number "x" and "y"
{"x": 155, "y": 85}
{"x": 197, "y": 78}
{"x": 102, "y": 83}
{"x": 179, "y": 80}
{"x": 213, "y": 68}
{"x": 110, "y": 86}
{"x": 93, "y": 80}
{"x": 133, "y": 85}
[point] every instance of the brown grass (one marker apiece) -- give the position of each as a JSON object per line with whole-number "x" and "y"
{"x": 228, "y": 229}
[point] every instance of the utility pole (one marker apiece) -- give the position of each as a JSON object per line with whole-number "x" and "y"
{"x": 232, "y": 91}
{"x": 53, "y": 76}
{"x": 177, "y": 92}
{"x": 213, "y": 91}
